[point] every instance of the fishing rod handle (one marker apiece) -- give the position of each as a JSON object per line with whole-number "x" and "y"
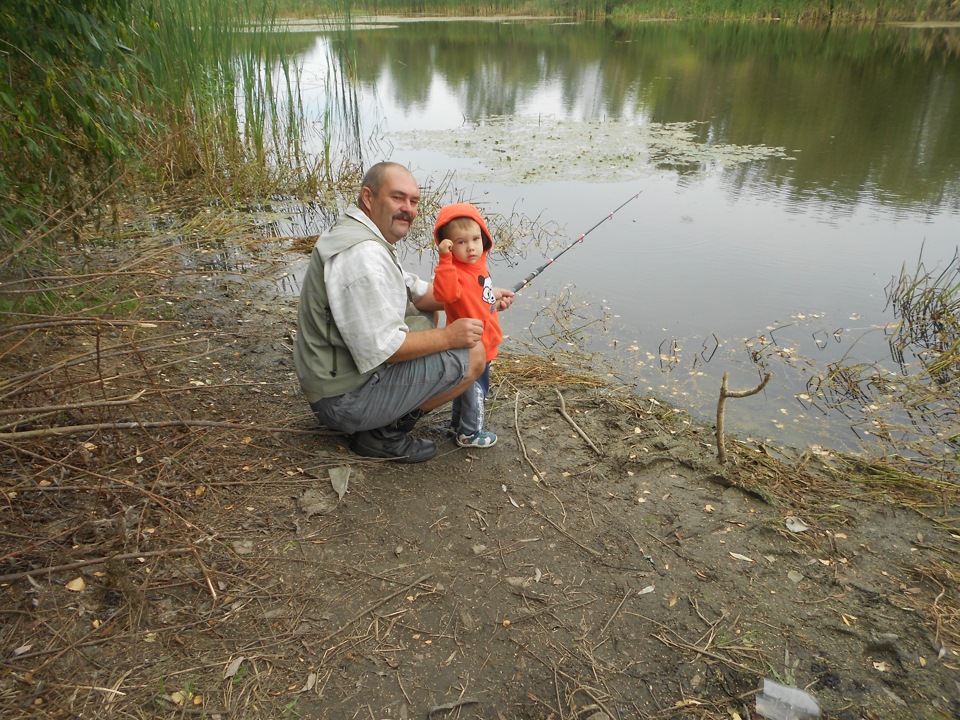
{"x": 525, "y": 281}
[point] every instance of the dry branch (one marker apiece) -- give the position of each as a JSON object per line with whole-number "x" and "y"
{"x": 93, "y": 561}
{"x": 567, "y": 535}
{"x": 537, "y": 475}
{"x": 119, "y": 350}
{"x": 72, "y": 406}
{"x": 724, "y": 394}
{"x": 96, "y": 427}
{"x": 375, "y": 605}
{"x": 10, "y": 329}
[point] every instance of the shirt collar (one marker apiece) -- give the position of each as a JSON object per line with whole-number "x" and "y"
{"x": 360, "y": 216}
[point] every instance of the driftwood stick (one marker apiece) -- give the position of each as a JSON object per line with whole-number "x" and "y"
{"x": 724, "y": 394}
{"x": 563, "y": 411}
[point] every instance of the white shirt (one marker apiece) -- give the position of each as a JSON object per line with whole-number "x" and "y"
{"x": 367, "y": 291}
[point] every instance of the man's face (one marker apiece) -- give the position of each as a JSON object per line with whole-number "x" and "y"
{"x": 394, "y": 208}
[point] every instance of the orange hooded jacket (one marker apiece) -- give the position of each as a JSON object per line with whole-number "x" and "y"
{"x": 466, "y": 290}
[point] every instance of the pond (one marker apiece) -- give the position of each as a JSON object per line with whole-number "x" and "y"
{"x": 771, "y": 181}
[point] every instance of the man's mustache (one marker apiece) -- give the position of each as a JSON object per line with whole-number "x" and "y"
{"x": 403, "y": 216}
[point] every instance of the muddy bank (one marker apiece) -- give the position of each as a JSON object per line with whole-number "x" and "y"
{"x": 173, "y": 545}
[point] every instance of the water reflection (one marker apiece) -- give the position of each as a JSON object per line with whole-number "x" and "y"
{"x": 864, "y": 111}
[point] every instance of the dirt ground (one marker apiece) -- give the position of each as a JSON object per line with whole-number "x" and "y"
{"x": 173, "y": 545}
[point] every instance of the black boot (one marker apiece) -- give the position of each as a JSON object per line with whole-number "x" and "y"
{"x": 407, "y": 422}
{"x": 392, "y": 444}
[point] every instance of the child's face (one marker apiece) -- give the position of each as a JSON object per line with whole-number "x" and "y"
{"x": 467, "y": 242}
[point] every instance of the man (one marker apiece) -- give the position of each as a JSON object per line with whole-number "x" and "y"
{"x": 369, "y": 363}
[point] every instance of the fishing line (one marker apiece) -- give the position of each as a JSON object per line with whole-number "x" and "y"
{"x": 523, "y": 283}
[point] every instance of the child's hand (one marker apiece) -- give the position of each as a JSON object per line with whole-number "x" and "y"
{"x": 504, "y": 298}
{"x": 445, "y": 246}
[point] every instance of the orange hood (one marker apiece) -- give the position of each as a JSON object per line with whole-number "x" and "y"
{"x": 462, "y": 210}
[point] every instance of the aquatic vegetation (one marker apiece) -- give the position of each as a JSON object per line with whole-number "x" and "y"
{"x": 537, "y": 149}
{"x": 909, "y": 403}
{"x": 927, "y": 303}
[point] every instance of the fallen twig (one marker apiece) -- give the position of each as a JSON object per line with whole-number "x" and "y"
{"x": 71, "y": 406}
{"x": 450, "y": 706}
{"x": 374, "y": 606}
{"x": 569, "y": 536}
{"x": 603, "y": 630}
{"x": 74, "y": 278}
{"x": 706, "y": 653}
{"x": 59, "y": 323}
{"x": 682, "y": 644}
{"x": 113, "y": 351}
{"x": 668, "y": 547}
{"x": 563, "y": 411}
{"x": 160, "y": 500}
{"x": 537, "y": 475}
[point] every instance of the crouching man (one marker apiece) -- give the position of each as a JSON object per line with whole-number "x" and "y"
{"x": 368, "y": 361}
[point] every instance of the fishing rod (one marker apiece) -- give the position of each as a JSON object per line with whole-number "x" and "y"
{"x": 526, "y": 281}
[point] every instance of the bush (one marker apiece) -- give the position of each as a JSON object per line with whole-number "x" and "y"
{"x": 66, "y": 111}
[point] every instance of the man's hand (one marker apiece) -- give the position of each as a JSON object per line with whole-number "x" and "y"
{"x": 464, "y": 332}
{"x": 504, "y": 298}
{"x": 445, "y": 246}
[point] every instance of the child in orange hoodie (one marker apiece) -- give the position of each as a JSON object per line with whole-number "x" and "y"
{"x": 462, "y": 283}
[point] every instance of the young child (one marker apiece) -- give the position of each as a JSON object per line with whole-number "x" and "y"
{"x": 462, "y": 283}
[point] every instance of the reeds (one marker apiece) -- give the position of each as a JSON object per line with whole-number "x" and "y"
{"x": 927, "y": 304}
{"x": 911, "y": 412}
{"x": 203, "y": 99}
{"x": 226, "y": 89}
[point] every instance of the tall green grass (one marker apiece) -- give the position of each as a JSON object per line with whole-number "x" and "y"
{"x": 101, "y": 96}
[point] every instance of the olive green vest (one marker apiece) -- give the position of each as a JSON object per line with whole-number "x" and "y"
{"x": 324, "y": 364}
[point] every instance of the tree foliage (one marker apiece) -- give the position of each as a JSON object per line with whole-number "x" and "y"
{"x": 69, "y": 83}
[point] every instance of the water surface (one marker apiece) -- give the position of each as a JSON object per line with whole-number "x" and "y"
{"x": 786, "y": 175}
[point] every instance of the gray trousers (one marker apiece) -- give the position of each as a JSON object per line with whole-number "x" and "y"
{"x": 393, "y": 392}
